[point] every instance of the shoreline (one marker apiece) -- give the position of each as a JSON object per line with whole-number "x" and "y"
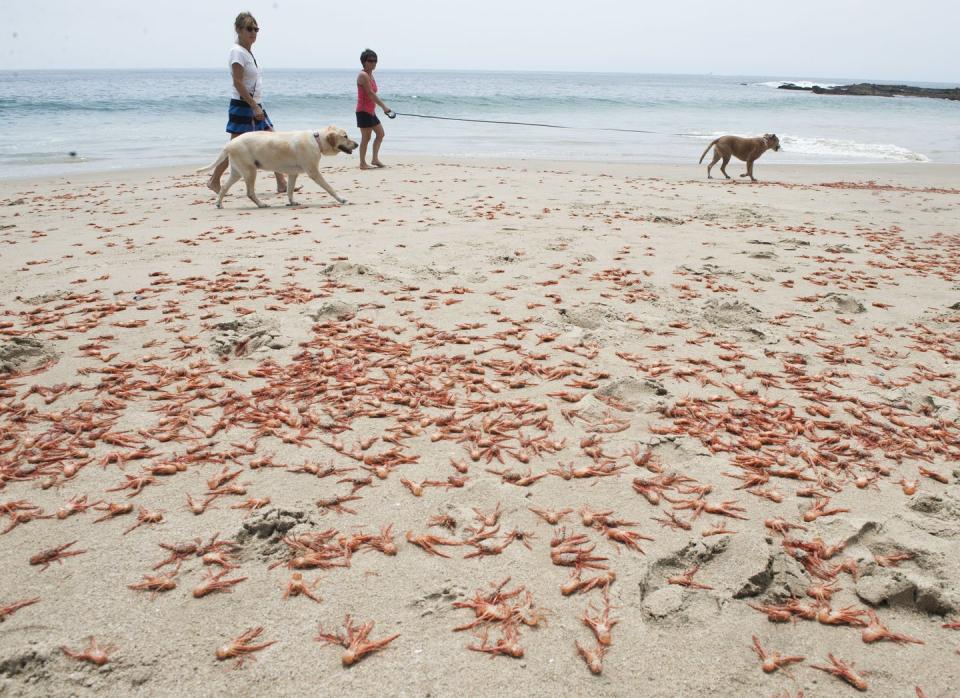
{"x": 804, "y": 173}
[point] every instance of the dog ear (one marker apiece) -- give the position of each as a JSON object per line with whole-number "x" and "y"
{"x": 332, "y": 139}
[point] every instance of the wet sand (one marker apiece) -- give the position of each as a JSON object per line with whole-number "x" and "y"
{"x": 695, "y": 368}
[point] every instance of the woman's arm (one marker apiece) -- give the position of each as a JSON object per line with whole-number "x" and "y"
{"x": 364, "y": 82}
{"x": 237, "y": 71}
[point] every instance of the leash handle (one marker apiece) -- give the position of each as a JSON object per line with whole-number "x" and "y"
{"x": 391, "y": 114}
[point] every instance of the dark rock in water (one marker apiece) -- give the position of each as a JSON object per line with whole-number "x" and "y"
{"x": 873, "y": 90}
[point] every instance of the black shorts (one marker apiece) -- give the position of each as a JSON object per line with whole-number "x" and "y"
{"x": 367, "y": 120}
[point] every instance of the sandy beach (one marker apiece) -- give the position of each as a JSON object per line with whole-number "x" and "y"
{"x": 739, "y": 402}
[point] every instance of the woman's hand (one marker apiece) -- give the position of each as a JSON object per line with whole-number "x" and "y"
{"x": 258, "y": 113}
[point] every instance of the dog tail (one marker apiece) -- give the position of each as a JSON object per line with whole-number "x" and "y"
{"x": 220, "y": 158}
{"x": 712, "y": 143}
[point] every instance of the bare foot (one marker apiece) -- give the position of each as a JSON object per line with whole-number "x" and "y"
{"x": 365, "y": 166}
{"x": 377, "y": 163}
{"x": 213, "y": 186}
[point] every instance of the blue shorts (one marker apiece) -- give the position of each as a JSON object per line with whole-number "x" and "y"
{"x": 240, "y": 118}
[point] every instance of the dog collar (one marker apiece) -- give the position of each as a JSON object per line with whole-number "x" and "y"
{"x": 316, "y": 137}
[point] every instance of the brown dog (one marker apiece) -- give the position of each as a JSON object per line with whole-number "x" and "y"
{"x": 746, "y": 149}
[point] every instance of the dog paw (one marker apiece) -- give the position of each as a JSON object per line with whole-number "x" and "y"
{"x": 342, "y": 201}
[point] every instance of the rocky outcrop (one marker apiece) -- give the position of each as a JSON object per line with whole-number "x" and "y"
{"x": 872, "y": 90}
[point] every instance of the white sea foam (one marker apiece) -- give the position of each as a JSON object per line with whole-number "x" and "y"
{"x": 832, "y": 147}
{"x": 798, "y": 83}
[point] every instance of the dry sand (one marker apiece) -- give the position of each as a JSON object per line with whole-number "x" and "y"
{"x": 809, "y": 323}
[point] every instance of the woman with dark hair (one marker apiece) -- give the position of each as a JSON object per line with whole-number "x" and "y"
{"x": 367, "y": 103}
{"x": 246, "y": 112}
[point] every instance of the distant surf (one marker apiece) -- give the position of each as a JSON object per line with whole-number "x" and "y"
{"x": 798, "y": 83}
{"x": 850, "y": 149}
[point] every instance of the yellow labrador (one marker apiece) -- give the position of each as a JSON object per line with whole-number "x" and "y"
{"x": 290, "y": 152}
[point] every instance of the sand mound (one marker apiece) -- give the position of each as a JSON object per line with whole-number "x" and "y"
{"x": 921, "y": 582}
{"x": 754, "y": 565}
{"x": 327, "y": 310}
{"x": 261, "y": 536}
{"x": 839, "y": 249}
{"x": 733, "y": 314}
{"x": 632, "y": 390}
{"x": 669, "y": 220}
{"x": 590, "y": 316}
{"x": 43, "y": 298}
{"x": 843, "y": 303}
{"x": 246, "y": 335}
{"x": 22, "y": 354}
{"x": 339, "y": 270}
{"x": 790, "y": 243}
{"x": 26, "y": 666}
{"x": 753, "y": 216}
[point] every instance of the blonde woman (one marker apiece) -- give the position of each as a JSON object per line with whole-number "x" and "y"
{"x": 246, "y": 112}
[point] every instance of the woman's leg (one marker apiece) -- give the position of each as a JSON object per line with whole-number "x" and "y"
{"x": 214, "y": 182}
{"x": 364, "y": 140}
{"x": 378, "y": 141}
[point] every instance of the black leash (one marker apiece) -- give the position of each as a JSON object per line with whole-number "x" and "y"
{"x": 528, "y": 123}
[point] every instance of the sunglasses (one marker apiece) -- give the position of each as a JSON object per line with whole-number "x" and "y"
{"x": 253, "y": 29}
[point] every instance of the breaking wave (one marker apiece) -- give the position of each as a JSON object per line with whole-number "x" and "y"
{"x": 850, "y": 150}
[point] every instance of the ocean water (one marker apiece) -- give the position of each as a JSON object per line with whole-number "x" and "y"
{"x": 61, "y": 122}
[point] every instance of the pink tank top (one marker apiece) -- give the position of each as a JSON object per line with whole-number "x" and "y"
{"x": 364, "y": 101}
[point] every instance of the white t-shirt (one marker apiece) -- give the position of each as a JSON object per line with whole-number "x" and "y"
{"x": 251, "y": 72}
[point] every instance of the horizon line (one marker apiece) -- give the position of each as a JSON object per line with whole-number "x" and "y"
{"x": 489, "y": 70}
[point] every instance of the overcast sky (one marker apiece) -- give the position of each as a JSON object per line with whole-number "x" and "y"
{"x": 877, "y": 39}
